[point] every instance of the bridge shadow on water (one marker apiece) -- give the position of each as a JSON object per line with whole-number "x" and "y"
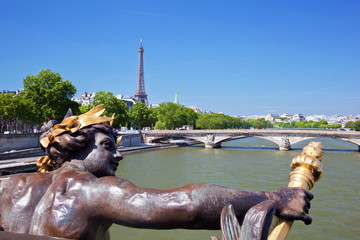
{"x": 239, "y": 147}
{"x": 275, "y": 148}
{"x": 339, "y": 150}
{"x": 250, "y": 148}
{"x": 330, "y": 150}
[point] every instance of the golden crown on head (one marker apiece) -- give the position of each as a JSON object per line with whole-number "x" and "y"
{"x": 72, "y": 124}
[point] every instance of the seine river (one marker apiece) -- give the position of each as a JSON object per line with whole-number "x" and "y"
{"x": 253, "y": 164}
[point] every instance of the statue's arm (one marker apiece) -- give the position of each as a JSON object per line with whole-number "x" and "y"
{"x": 194, "y": 206}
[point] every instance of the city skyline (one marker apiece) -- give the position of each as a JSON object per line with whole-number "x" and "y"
{"x": 239, "y": 58}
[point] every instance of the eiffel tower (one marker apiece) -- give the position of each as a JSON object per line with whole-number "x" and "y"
{"x": 140, "y": 95}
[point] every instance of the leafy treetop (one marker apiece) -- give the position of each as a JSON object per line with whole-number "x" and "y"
{"x": 48, "y": 96}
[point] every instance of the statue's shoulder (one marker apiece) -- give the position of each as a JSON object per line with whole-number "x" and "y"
{"x": 72, "y": 174}
{"x": 26, "y": 179}
{"x": 114, "y": 182}
{"x": 17, "y": 186}
{"x": 73, "y": 178}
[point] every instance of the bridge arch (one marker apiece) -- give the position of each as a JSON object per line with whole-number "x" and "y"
{"x": 211, "y": 140}
{"x": 284, "y": 138}
{"x": 151, "y": 139}
{"x": 354, "y": 141}
{"x": 284, "y": 141}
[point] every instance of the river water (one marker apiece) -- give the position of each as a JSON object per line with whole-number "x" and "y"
{"x": 253, "y": 164}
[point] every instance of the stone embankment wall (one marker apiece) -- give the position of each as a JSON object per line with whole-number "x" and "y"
{"x": 130, "y": 140}
{"x": 11, "y": 142}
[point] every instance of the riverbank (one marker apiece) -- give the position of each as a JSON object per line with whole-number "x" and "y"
{"x": 19, "y": 161}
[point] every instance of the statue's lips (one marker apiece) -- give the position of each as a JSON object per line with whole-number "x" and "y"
{"x": 114, "y": 163}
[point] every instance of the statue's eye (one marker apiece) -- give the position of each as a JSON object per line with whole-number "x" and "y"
{"x": 107, "y": 144}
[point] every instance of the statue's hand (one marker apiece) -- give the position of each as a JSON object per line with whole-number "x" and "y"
{"x": 293, "y": 204}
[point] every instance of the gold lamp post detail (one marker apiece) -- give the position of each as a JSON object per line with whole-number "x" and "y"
{"x": 306, "y": 169}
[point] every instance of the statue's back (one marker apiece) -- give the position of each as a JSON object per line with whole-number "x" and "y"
{"x": 50, "y": 204}
{"x": 20, "y": 195}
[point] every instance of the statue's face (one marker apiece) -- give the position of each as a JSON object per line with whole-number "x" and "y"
{"x": 103, "y": 157}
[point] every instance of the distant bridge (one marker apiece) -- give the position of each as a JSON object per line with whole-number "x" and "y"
{"x": 284, "y": 138}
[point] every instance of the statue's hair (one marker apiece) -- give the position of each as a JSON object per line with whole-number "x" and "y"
{"x": 71, "y": 143}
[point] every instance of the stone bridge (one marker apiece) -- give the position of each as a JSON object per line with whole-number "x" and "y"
{"x": 284, "y": 138}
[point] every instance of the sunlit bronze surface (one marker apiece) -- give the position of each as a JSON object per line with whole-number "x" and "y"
{"x": 81, "y": 197}
{"x": 255, "y": 226}
{"x": 306, "y": 169}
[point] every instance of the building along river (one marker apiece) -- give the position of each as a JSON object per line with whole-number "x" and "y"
{"x": 253, "y": 164}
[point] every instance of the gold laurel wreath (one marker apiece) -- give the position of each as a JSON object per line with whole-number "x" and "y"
{"x": 72, "y": 124}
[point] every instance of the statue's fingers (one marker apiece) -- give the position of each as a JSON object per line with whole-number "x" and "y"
{"x": 309, "y": 195}
{"x": 308, "y": 204}
{"x": 306, "y": 210}
{"x": 307, "y": 219}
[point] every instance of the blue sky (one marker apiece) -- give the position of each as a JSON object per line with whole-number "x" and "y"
{"x": 236, "y": 57}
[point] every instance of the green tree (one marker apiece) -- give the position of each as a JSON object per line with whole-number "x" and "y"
{"x": 259, "y": 123}
{"x": 85, "y": 108}
{"x": 170, "y": 116}
{"x": 323, "y": 122}
{"x": 219, "y": 121}
{"x": 350, "y": 124}
{"x": 203, "y": 121}
{"x": 14, "y": 111}
{"x": 153, "y": 116}
{"x": 354, "y": 125}
{"x": 309, "y": 124}
{"x": 48, "y": 96}
{"x": 357, "y": 125}
{"x": 5, "y": 101}
{"x": 139, "y": 115}
{"x": 190, "y": 116}
{"x": 19, "y": 110}
{"x": 335, "y": 125}
{"x": 112, "y": 105}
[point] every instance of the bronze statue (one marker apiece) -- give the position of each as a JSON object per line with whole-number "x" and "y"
{"x": 76, "y": 195}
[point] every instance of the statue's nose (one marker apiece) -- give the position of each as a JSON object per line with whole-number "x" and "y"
{"x": 118, "y": 156}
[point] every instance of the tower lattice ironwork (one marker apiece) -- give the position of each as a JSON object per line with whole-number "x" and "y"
{"x": 140, "y": 95}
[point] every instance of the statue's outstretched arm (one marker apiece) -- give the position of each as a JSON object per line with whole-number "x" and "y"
{"x": 194, "y": 206}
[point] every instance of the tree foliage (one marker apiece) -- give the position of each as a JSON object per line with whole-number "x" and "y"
{"x": 112, "y": 105}
{"x": 153, "y": 116}
{"x": 139, "y": 115}
{"x": 309, "y": 124}
{"x": 190, "y": 116}
{"x": 47, "y": 96}
{"x": 5, "y": 102}
{"x": 222, "y": 121}
{"x": 215, "y": 121}
{"x": 259, "y": 123}
{"x": 171, "y": 116}
{"x": 354, "y": 125}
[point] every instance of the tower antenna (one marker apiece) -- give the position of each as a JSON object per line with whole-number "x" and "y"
{"x": 176, "y": 98}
